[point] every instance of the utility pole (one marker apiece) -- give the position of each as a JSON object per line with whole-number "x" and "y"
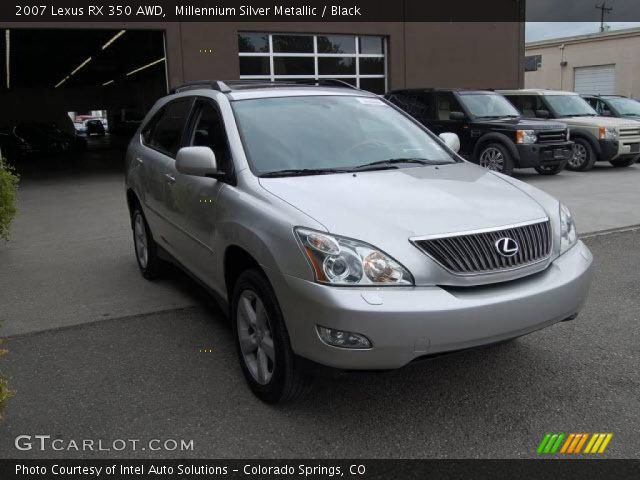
{"x": 603, "y": 9}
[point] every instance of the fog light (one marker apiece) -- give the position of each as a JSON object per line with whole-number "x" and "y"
{"x": 338, "y": 338}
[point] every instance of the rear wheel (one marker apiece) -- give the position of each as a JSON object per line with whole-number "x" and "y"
{"x": 551, "y": 169}
{"x": 270, "y": 367}
{"x": 623, "y": 162}
{"x": 583, "y": 158}
{"x": 496, "y": 157}
{"x": 146, "y": 249}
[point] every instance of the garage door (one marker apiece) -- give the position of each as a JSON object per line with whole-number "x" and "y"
{"x": 596, "y": 80}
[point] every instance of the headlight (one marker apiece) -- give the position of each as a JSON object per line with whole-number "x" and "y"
{"x": 343, "y": 261}
{"x": 526, "y": 136}
{"x": 608, "y": 133}
{"x": 568, "y": 236}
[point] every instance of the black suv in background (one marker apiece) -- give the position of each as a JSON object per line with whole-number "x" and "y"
{"x": 492, "y": 132}
{"x": 614, "y": 106}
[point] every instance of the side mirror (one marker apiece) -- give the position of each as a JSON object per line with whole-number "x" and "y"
{"x": 543, "y": 113}
{"x": 196, "y": 161}
{"x": 458, "y": 116}
{"x": 451, "y": 140}
{"x": 606, "y": 113}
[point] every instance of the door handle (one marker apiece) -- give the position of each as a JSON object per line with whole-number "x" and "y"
{"x": 139, "y": 161}
{"x": 170, "y": 178}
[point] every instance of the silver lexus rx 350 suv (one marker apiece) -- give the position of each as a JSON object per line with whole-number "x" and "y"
{"x": 338, "y": 231}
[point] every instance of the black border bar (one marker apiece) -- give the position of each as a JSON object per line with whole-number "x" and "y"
{"x": 314, "y": 469}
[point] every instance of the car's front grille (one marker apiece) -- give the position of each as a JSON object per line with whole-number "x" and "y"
{"x": 478, "y": 253}
{"x": 629, "y": 132}
{"x": 552, "y": 136}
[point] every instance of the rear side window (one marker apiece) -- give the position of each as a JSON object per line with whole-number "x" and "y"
{"x": 164, "y": 131}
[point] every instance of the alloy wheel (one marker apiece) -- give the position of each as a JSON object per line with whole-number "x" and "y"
{"x": 579, "y": 156}
{"x": 255, "y": 337}
{"x": 141, "y": 241}
{"x": 493, "y": 159}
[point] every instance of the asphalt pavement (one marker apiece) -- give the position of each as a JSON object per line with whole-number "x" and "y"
{"x": 70, "y": 259}
{"x": 174, "y": 375}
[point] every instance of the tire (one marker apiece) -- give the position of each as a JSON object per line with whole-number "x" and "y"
{"x": 496, "y": 157}
{"x": 551, "y": 169}
{"x": 259, "y": 328}
{"x": 146, "y": 250}
{"x": 623, "y": 162}
{"x": 583, "y": 158}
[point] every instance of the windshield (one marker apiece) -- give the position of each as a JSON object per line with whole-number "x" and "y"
{"x": 626, "y": 106}
{"x": 331, "y": 133}
{"x": 488, "y": 105}
{"x": 570, "y": 106}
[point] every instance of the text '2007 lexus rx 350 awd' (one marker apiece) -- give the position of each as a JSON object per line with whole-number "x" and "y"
{"x": 339, "y": 231}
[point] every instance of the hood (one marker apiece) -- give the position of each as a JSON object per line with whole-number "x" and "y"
{"x": 522, "y": 124}
{"x": 600, "y": 121}
{"x": 403, "y": 203}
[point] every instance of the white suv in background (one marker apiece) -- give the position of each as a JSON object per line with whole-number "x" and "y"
{"x": 596, "y": 138}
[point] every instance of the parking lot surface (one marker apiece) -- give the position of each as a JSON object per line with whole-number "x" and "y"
{"x": 149, "y": 377}
{"x": 71, "y": 260}
{"x": 601, "y": 199}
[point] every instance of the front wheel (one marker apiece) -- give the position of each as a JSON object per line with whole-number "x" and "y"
{"x": 551, "y": 169}
{"x": 583, "y": 158}
{"x": 270, "y": 367}
{"x": 623, "y": 162}
{"x": 496, "y": 157}
{"x": 149, "y": 262}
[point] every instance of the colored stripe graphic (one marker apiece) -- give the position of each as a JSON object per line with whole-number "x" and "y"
{"x": 598, "y": 443}
{"x": 550, "y": 443}
{"x": 543, "y": 443}
{"x": 572, "y": 443}
{"x": 579, "y": 446}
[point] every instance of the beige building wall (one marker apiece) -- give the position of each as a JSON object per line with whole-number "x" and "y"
{"x": 621, "y": 48}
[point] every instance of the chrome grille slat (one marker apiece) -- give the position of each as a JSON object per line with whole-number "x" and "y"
{"x": 476, "y": 253}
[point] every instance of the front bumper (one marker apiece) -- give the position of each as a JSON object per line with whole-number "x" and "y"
{"x": 623, "y": 148}
{"x": 535, "y": 154}
{"x": 404, "y": 323}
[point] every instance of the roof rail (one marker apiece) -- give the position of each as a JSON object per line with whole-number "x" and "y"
{"x": 228, "y": 86}
{"x": 328, "y": 82}
{"x": 218, "y": 85}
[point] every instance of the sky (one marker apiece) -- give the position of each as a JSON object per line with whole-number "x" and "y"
{"x": 544, "y": 30}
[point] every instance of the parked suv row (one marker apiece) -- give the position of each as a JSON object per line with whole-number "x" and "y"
{"x": 492, "y": 132}
{"x": 337, "y": 230}
{"x": 596, "y": 137}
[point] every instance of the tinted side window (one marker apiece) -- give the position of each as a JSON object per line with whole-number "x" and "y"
{"x": 415, "y": 104}
{"x": 602, "y": 108}
{"x": 209, "y": 132}
{"x": 147, "y": 131}
{"x": 447, "y": 103}
{"x": 527, "y": 104}
{"x": 593, "y": 102}
{"x": 167, "y": 132}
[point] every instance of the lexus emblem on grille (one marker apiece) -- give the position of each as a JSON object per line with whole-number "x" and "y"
{"x": 507, "y": 247}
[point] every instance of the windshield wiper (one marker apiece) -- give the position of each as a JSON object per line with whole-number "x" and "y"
{"x": 293, "y": 172}
{"x": 393, "y": 162}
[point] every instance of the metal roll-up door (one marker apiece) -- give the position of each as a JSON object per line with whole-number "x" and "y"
{"x": 598, "y": 80}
